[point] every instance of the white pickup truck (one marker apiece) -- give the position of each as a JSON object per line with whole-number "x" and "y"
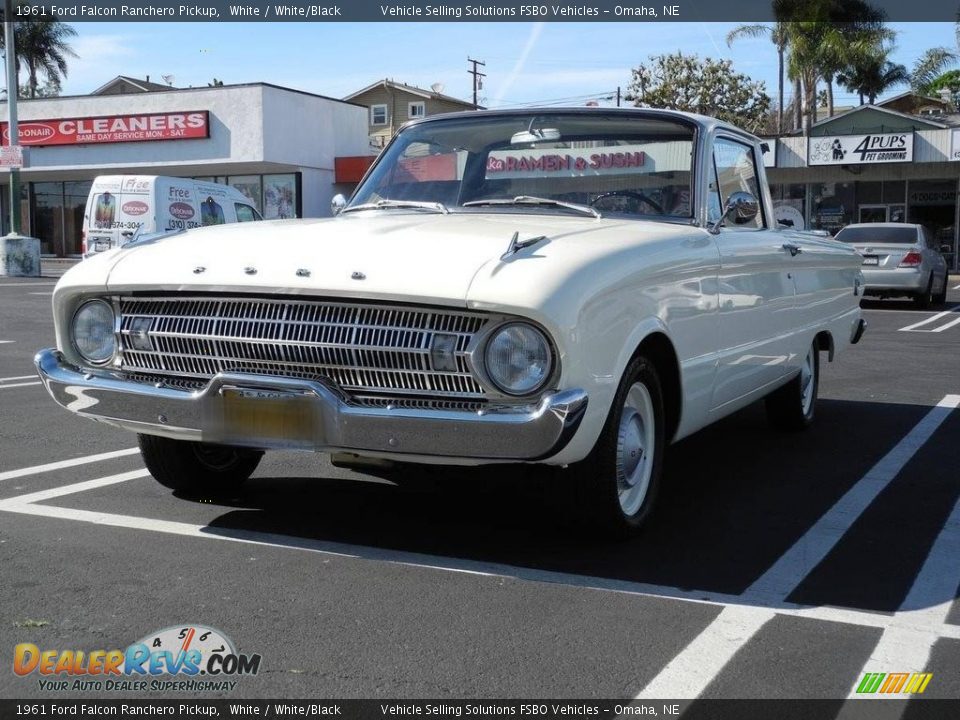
{"x": 570, "y": 287}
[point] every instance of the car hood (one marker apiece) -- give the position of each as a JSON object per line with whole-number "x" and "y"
{"x": 391, "y": 255}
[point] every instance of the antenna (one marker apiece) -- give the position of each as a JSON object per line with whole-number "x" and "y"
{"x": 437, "y": 88}
{"x": 168, "y": 79}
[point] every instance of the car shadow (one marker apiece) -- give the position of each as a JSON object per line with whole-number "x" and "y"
{"x": 904, "y": 304}
{"x": 735, "y": 497}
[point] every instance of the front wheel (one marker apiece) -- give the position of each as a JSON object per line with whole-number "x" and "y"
{"x": 616, "y": 485}
{"x": 792, "y": 406}
{"x": 197, "y": 468}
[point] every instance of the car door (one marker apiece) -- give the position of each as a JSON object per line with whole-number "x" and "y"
{"x": 756, "y": 290}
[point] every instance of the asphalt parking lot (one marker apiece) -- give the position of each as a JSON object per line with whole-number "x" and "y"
{"x": 777, "y": 566}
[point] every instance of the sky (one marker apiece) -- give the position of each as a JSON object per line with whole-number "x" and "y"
{"x": 526, "y": 63}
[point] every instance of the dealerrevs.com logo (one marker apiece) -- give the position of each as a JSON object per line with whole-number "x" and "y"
{"x": 185, "y": 658}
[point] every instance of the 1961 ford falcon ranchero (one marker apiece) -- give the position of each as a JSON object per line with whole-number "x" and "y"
{"x": 573, "y": 287}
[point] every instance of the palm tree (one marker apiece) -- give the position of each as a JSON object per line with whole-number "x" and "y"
{"x": 928, "y": 68}
{"x": 828, "y": 37}
{"x": 778, "y": 34}
{"x": 42, "y": 47}
{"x": 873, "y": 75}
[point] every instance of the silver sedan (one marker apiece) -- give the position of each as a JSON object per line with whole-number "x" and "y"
{"x": 899, "y": 259}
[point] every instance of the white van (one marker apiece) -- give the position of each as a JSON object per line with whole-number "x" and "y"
{"x": 122, "y": 206}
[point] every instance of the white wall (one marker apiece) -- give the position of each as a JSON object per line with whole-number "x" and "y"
{"x": 236, "y": 132}
{"x": 253, "y": 129}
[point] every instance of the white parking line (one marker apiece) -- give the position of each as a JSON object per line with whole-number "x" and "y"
{"x": 929, "y": 602}
{"x": 61, "y": 464}
{"x": 947, "y": 326}
{"x": 18, "y": 377}
{"x": 16, "y": 385}
{"x": 71, "y": 489}
{"x": 28, "y": 284}
{"x": 693, "y": 669}
{"x": 40, "y": 293}
{"x": 929, "y": 320}
{"x": 6, "y": 342}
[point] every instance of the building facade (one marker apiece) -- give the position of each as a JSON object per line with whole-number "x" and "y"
{"x": 390, "y": 104}
{"x": 277, "y": 146}
{"x": 871, "y": 164}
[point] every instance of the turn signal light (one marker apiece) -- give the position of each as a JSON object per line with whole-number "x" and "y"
{"x": 911, "y": 259}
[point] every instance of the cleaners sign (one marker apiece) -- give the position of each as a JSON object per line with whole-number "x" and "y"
{"x": 860, "y": 149}
{"x": 112, "y": 129}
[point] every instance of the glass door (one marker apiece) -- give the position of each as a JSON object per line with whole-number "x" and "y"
{"x": 874, "y": 213}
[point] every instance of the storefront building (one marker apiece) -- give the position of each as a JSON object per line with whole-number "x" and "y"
{"x": 277, "y": 146}
{"x": 871, "y": 165}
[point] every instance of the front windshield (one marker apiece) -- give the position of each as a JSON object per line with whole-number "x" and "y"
{"x": 614, "y": 163}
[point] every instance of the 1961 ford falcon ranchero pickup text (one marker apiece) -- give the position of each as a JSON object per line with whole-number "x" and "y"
{"x": 573, "y": 287}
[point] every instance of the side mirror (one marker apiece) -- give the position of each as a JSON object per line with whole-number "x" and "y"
{"x": 338, "y": 203}
{"x": 742, "y": 207}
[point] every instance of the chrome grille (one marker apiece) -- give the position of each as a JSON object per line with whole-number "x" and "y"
{"x": 362, "y": 348}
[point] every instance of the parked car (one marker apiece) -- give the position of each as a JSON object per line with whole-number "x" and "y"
{"x": 576, "y": 288}
{"x": 122, "y": 207}
{"x": 900, "y": 260}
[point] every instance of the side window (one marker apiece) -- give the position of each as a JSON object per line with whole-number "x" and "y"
{"x": 245, "y": 213}
{"x": 378, "y": 114}
{"x": 736, "y": 171}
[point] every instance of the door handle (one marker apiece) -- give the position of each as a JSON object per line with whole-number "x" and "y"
{"x": 793, "y": 248}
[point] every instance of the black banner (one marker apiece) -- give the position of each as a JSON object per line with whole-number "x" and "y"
{"x": 860, "y": 709}
{"x": 450, "y": 10}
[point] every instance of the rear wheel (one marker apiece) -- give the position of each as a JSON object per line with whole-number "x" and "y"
{"x": 616, "y": 485}
{"x": 923, "y": 299}
{"x": 792, "y": 406}
{"x": 941, "y": 297}
{"x": 197, "y": 468}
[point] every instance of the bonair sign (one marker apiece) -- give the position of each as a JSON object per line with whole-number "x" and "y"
{"x": 860, "y": 149}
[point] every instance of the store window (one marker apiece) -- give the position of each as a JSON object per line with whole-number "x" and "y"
{"x": 281, "y": 196}
{"x": 833, "y": 206}
{"x": 251, "y": 186}
{"x": 790, "y": 204}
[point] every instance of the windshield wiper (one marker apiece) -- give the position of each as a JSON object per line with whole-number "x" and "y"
{"x": 385, "y": 203}
{"x": 531, "y": 200}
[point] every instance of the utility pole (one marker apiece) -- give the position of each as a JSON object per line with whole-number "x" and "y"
{"x": 477, "y": 77}
{"x": 618, "y": 96}
{"x": 19, "y": 255}
{"x": 12, "y": 91}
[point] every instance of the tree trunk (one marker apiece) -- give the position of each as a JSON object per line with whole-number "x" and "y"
{"x": 861, "y": 97}
{"x": 830, "y": 96}
{"x": 33, "y": 79}
{"x": 809, "y": 102}
{"x": 797, "y": 105}
{"x": 780, "y": 91}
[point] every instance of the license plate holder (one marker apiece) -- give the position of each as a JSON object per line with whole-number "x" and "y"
{"x": 101, "y": 245}
{"x": 251, "y": 415}
{"x": 871, "y": 260}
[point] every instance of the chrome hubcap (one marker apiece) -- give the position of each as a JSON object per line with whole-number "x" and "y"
{"x": 635, "y": 447}
{"x": 806, "y": 382}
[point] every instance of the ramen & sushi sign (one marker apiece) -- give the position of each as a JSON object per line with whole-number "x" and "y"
{"x": 112, "y": 129}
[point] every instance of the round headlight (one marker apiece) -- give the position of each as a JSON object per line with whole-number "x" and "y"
{"x": 518, "y": 359}
{"x": 93, "y": 331}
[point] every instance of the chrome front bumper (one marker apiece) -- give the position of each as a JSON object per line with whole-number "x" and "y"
{"x": 280, "y": 413}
